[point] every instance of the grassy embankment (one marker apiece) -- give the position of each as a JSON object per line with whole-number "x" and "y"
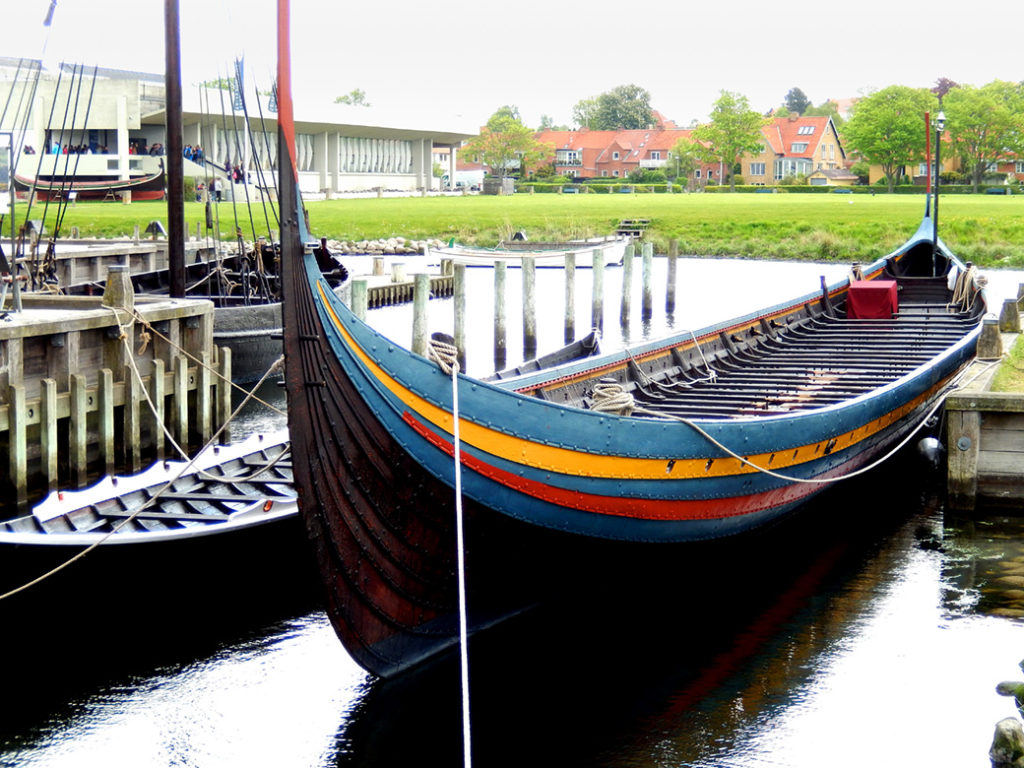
{"x": 985, "y": 229}
{"x": 1010, "y": 376}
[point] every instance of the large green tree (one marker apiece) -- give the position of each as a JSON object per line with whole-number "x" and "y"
{"x": 734, "y": 130}
{"x": 797, "y": 101}
{"x": 625, "y": 106}
{"x": 684, "y": 158}
{"x": 505, "y": 144}
{"x": 887, "y": 128}
{"x": 985, "y": 124}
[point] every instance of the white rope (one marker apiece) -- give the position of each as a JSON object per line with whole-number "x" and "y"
{"x": 614, "y": 394}
{"x": 460, "y": 547}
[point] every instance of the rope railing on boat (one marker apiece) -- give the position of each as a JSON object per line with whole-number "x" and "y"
{"x": 611, "y": 397}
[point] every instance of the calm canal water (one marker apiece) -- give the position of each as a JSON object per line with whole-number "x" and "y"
{"x": 869, "y": 629}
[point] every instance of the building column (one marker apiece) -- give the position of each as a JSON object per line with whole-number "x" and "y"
{"x": 123, "y": 166}
{"x": 332, "y": 161}
{"x": 451, "y": 166}
{"x": 320, "y": 143}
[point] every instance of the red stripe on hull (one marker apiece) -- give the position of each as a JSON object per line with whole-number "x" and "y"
{"x": 638, "y": 509}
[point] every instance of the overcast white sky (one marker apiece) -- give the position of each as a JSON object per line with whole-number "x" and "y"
{"x": 444, "y": 58}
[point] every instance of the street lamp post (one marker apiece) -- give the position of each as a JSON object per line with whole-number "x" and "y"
{"x": 940, "y": 123}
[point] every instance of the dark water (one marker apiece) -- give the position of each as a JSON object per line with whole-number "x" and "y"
{"x": 869, "y": 629}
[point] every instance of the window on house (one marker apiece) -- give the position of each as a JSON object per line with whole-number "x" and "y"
{"x": 805, "y": 130}
{"x": 799, "y": 147}
{"x": 604, "y": 173}
{"x": 655, "y": 155}
{"x": 757, "y": 169}
{"x": 1018, "y": 167}
{"x": 696, "y": 174}
{"x": 615, "y": 172}
{"x": 615, "y": 155}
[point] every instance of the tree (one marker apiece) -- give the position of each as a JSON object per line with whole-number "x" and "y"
{"x": 943, "y": 86}
{"x": 505, "y": 144}
{"x": 625, "y": 106}
{"x": 734, "y": 130}
{"x": 684, "y": 158}
{"x": 797, "y": 101}
{"x": 547, "y": 123}
{"x": 985, "y": 124}
{"x": 826, "y": 109}
{"x": 355, "y": 98}
{"x": 584, "y": 113}
{"x": 887, "y": 128}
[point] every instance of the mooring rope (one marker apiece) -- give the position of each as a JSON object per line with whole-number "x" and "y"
{"x": 116, "y": 527}
{"x": 250, "y": 394}
{"x": 446, "y": 357}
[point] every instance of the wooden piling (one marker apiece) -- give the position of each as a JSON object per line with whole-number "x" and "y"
{"x": 17, "y": 421}
{"x": 670, "y": 287}
{"x": 132, "y": 424}
{"x": 459, "y": 301}
{"x": 597, "y": 292}
{"x": 529, "y": 307}
{"x": 359, "y": 297}
{"x": 420, "y": 296}
{"x": 108, "y": 459}
{"x": 158, "y": 394}
{"x": 48, "y": 444}
{"x": 78, "y": 431}
{"x": 570, "y": 298}
{"x": 647, "y": 300}
{"x": 179, "y": 419}
{"x": 627, "y": 285}
{"x": 500, "y": 330}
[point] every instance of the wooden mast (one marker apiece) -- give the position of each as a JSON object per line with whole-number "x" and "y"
{"x": 174, "y": 159}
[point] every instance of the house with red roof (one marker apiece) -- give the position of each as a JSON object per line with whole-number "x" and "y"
{"x": 795, "y": 146}
{"x": 586, "y": 154}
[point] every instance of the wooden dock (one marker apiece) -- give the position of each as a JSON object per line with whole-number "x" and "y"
{"x": 985, "y": 429}
{"x": 74, "y": 376}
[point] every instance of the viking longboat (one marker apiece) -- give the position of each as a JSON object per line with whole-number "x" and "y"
{"x": 698, "y": 436}
{"x": 151, "y": 186}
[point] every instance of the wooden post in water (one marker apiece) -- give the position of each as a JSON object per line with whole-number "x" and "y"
{"x": 529, "y": 308}
{"x": 670, "y": 288}
{"x": 627, "y": 284}
{"x": 597, "y": 292}
{"x": 500, "y": 332}
{"x": 570, "y": 297}
{"x": 647, "y": 268}
{"x": 77, "y": 431}
{"x": 48, "y": 415}
{"x": 17, "y": 420}
{"x": 359, "y": 298}
{"x": 420, "y": 295}
{"x": 459, "y": 288}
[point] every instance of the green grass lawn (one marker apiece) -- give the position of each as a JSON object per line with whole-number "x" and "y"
{"x": 1010, "y": 376}
{"x": 985, "y": 229}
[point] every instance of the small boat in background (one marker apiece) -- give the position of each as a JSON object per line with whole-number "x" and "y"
{"x": 544, "y": 254}
{"x": 150, "y": 186}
